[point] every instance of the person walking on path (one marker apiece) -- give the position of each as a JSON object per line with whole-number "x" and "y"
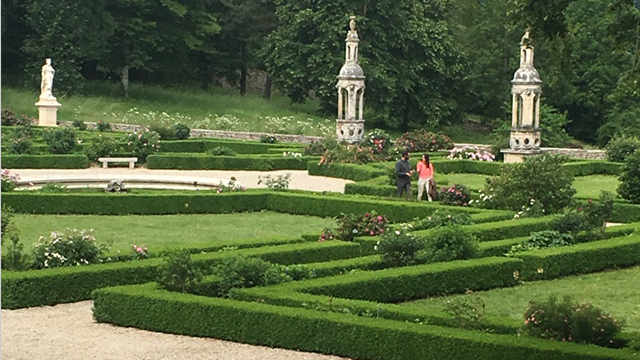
{"x": 425, "y": 174}
{"x": 403, "y": 175}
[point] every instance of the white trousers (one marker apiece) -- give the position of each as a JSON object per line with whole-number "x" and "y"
{"x": 423, "y": 184}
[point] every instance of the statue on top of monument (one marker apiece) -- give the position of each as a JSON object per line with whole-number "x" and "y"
{"x": 46, "y": 84}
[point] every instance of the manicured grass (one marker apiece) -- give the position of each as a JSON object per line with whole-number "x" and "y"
{"x": 148, "y": 105}
{"x": 170, "y": 231}
{"x": 472, "y": 181}
{"x": 616, "y": 292}
{"x": 591, "y": 186}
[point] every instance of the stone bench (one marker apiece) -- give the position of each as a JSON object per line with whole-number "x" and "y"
{"x": 106, "y": 161}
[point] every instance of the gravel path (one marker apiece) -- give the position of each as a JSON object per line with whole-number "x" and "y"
{"x": 68, "y": 332}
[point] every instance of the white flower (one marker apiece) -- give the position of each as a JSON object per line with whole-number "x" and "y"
{"x": 397, "y": 232}
{"x": 375, "y": 248}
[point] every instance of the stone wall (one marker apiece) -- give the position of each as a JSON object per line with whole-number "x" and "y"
{"x": 577, "y": 153}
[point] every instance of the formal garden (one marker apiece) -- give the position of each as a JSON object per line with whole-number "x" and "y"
{"x": 512, "y": 258}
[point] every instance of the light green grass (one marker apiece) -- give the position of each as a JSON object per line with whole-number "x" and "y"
{"x": 171, "y": 231}
{"x": 591, "y": 186}
{"x": 472, "y": 181}
{"x": 616, "y": 292}
{"x": 152, "y": 105}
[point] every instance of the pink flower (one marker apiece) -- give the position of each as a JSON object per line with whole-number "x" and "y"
{"x": 371, "y": 233}
{"x": 379, "y": 218}
{"x": 366, "y": 215}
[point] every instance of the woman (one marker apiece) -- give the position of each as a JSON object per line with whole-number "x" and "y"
{"x": 425, "y": 173}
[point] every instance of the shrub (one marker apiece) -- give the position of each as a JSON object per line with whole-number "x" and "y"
{"x": 279, "y": 183}
{"x": 540, "y": 177}
{"x": 139, "y": 252}
{"x": 317, "y": 148}
{"x": 399, "y": 248}
{"x": 9, "y": 181}
{"x": 53, "y": 188}
{"x": 268, "y": 139}
{"x": 143, "y": 143}
{"x": 351, "y": 154}
{"x": 103, "y": 126}
{"x": 351, "y": 225}
{"x": 471, "y": 153}
{"x": 13, "y": 257}
{"x": 79, "y": 124}
{"x": 231, "y": 186}
{"x": 456, "y": 194}
{"x": 619, "y": 148}
{"x": 327, "y": 234}
{"x": 221, "y": 151}
{"x": 542, "y": 239}
{"x": 570, "y": 222}
{"x": 182, "y": 131}
{"x": 467, "y": 310}
{"x": 565, "y": 320}
{"x": 11, "y": 119}
{"x": 21, "y": 140}
{"x": 244, "y": 272}
{"x": 443, "y": 218}
{"x": 422, "y": 141}
{"x": 70, "y": 248}
{"x": 7, "y": 215}
{"x": 630, "y": 179}
{"x": 165, "y": 132}
{"x": 450, "y": 243}
{"x": 179, "y": 273}
{"x": 60, "y": 141}
{"x": 101, "y": 146}
{"x": 379, "y": 142}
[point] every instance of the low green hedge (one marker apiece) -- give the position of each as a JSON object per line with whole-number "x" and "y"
{"x": 194, "y": 161}
{"x": 68, "y": 284}
{"x": 345, "y": 171}
{"x": 625, "y": 213}
{"x": 583, "y": 258}
{"x": 593, "y": 167}
{"x": 506, "y": 229}
{"x": 416, "y": 282}
{"x": 67, "y": 161}
{"x": 146, "y": 307}
{"x": 239, "y": 146}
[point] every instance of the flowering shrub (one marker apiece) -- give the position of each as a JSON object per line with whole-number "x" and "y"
{"x": 101, "y": 146}
{"x": 532, "y": 209}
{"x": 350, "y": 154}
{"x": 279, "y": 183}
{"x": 471, "y": 153}
{"x": 103, "y": 126}
{"x": 70, "y": 248}
{"x": 60, "y": 141}
{"x": 422, "y": 141}
{"x": 143, "y": 143}
{"x": 379, "y": 143}
{"x": 467, "y": 310}
{"x": 443, "y": 218}
{"x": 53, "y": 188}
{"x": 456, "y": 194}
{"x": 9, "y": 118}
{"x": 317, "y": 148}
{"x": 20, "y": 140}
{"x": 139, "y": 252}
{"x": 291, "y": 154}
{"x": 352, "y": 225}
{"x": 565, "y": 320}
{"x": 9, "y": 181}
{"x": 327, "y": 234}
{"x": 590, "y": 218}
{"x": 399, "y": 247}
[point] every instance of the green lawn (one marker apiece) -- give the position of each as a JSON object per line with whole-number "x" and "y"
{"x": 472, "y": 181}
{"x": 616, "y": 292}
{"x": 148, "y": 105}
{"x": 591, "y": 186}
{"x": 159, "y": 232}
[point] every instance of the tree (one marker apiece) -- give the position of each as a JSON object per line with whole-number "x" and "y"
{"x": 413, "y": 66}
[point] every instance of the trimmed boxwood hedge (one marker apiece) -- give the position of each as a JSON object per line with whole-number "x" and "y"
{"x": 447, "y": 166}
{"x": 192, "y": 161}
{"x": 66, "y": 161}
{"x": 416, "y": 282}
{"x": 325, "y": 332}
{"x": 239, "y": 146}
{"x": 584, "y": 258}
{"x": 345, "y": 171}
{"x": 67, "y": 284}
{"x": 593, "y": 167}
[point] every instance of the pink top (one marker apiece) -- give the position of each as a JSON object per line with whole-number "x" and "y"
{"x": 425, "y": 172}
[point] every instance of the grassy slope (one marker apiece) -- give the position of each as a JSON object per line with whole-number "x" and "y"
{"x": 158, "y": 232}
{"x": 615, "y": 292}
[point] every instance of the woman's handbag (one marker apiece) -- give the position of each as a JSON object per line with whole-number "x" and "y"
{"x": 433, "y": 190}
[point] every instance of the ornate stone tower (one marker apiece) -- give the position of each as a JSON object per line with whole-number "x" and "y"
{"x": 525, "y": 122}
{"x": 350, "y": 125}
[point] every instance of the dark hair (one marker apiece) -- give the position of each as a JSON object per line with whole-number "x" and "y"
{"x": 426, "y": 157}
{"x": 406, "y": 153}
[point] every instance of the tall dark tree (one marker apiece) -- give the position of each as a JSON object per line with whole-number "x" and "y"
{"x": 412, "y": 64}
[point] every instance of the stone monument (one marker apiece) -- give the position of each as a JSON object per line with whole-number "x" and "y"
{"x": 47, "y": 103}
{"x": 525, "y": 122}
{"x": 350, "y": 124}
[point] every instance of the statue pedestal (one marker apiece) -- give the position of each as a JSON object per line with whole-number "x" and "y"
{"x": 48, "y": 109}
{"x": 517, "y": 156}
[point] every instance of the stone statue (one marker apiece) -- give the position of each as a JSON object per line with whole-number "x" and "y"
{"x": 47, "y": 81}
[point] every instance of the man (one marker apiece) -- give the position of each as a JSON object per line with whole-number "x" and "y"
{"x": 403, "y": 175}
